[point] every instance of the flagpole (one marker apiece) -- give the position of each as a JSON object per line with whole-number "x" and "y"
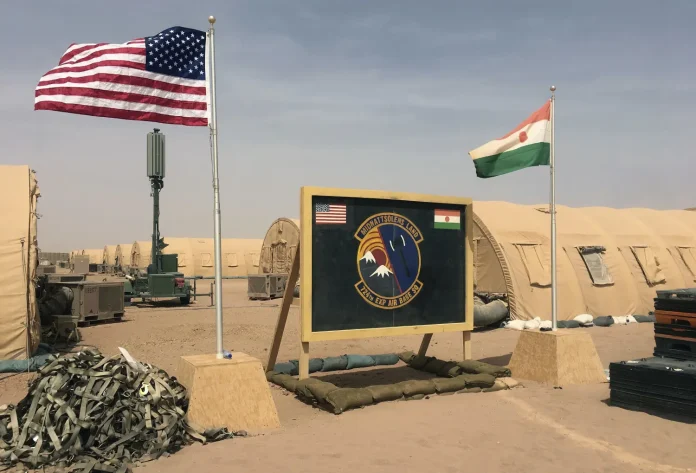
{"x": 554, "y": 300}
{"x": 216, "y": 187}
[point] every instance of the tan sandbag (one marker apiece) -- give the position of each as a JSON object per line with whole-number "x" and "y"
{"x": 386, "y": 392}
{"x": 302, "y": 387}
{"x": 480, "y": 380}
{"x": 342, "y": 399}
{"x": 469, "y": 390}
{"x": 497, "y": 386}
{"x": 414, "y": 387}
{"x": 320, "y": 390}
{"x": 476, "y": 367}
{"x": 449, "y": 385}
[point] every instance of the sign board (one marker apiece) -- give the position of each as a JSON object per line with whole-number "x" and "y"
{"x": 383, "y": 264}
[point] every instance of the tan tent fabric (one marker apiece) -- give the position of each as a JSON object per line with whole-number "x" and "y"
{"x": 123, "y": 252}
{"x": 95, "y": 255}
{"x": 140, "y": 254}
{"x": 240, "y": 257}
{"x": 610, "y": 261}
{"x": 20, "y": 327}
{"x": 279, "y": 246}
{"x": 109, "y": 256}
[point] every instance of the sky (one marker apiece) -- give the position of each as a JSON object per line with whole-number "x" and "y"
{"x": 387, "y": 95}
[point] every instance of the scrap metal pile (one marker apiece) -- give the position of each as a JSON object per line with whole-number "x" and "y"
{"x": 89, "y": 412}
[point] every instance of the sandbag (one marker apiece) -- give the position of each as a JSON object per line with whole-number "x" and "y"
{"x": 532, "y": 324}
{"x": 386, "y": 392}
{"x": 631, "y": 319}
{"x": 434, "y": 366}
{"x": 385, "y": 359}
{"x": 335, "y": 363}
{"x": 481, "y": 380}
{"x": 449, "y": 370}
{"x": 475, "y": 367}
{"x": 342, "y": 399}
{"x": 302, "y": 388}
{"x": 286, "y": 368}
{"x": 583, "y": 319}
{"x": 449, "y": 385}
{"x": 286, "y": 381}
{"x": 270, "y": 375}
{"x": 359, "y": 361}
{"x": 406, "y": 356}
{"x": 315, "y": 364}
{"x": 418, "y": 362}
{"x": 469, "y": 390}
{"x": 604, "y": 321}
{"x": 321, "y": 390}
{"x": 413, "y": 387}
{"x": 620, "y": 319}
{"x": 499, "y": 385}
{"x": 644, "y": 318}
{"x": 514, "y": 324}
{"x": 568, "y": 324}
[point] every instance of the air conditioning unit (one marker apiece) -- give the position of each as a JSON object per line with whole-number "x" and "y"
{"x": 266, "y": 286}
{"x": 83, "y": 302}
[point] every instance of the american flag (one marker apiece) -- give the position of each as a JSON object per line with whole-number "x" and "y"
{"x": 330, "y": 213}
{"x": 160, "y": 78}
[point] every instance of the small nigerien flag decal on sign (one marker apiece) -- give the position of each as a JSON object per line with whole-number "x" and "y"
{"x": 448, "y": 219}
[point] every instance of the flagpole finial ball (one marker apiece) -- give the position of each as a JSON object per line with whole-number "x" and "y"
{"x": 553, "y": 88}
{"x": 211, "y": 19}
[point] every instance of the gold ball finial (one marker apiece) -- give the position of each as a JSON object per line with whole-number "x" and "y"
{"x": 553, "y": 88}
{"x": 211, "y": 19}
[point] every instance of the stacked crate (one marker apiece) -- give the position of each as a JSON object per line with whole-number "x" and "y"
{"x": 665, "y": 383}
{"x": 675, "y": 324}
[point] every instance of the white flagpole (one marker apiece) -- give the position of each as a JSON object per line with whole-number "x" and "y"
{"x": 216, "y": 186}
{"x": 554, "y": 300}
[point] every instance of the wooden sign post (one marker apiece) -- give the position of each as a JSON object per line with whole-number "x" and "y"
{"x": 376, "y": 264}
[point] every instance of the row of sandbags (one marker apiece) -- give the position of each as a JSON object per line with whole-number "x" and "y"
{"x": 337, "y": 363}
{"x": 582, "y": 320}
{"x": 456, "y": 377}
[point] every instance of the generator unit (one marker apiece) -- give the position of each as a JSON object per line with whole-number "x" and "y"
{"x": 80, "y": 264}
{"x": 266, "y": 286}
{"x": 70, "y": 300}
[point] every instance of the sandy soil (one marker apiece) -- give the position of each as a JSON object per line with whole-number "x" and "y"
{"x": 534, "y": 428}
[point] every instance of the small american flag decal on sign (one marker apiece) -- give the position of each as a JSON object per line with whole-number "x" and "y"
{"x": 330, "y": 213}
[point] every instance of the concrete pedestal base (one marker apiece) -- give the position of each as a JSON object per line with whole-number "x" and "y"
{"x": 560, "y": 358}
{"x": 228, "y": 393}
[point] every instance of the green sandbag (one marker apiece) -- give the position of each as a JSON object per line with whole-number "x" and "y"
{"x": 342, "y": 399}
{"x": 359, "y": 361}
{"x": 386, "y": 392}
{"x": 415, "y": 397}
{"x": 302, "y": 390}
{"x": 481, "y": 380}
{"x": 321, "y": 390}
{"x": 497, "y": 386}
{"x": 406, "y": 356}
{"x": 475, "y": 367}
{"x": 285, "y": 368}
{"x": 449, "y": 370}
{"x": 434, "y": 366}
{"x": 386, "y": 359}
{"x": 315, "y": 364}
{"x": 270, "y": 375}
{"x": 335, "y": 363}
{"x": 469, "y": 390}
{"x": 449, "y": 385}
{"x": 423, "y": 386}
{"x": 286, "y": 381}
{"x": 418, "y": 362}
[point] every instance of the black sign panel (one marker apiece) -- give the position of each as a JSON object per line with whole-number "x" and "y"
{"x": 379, "y": 263}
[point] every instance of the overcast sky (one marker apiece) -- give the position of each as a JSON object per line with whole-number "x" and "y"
{"x": 360, "y": 94}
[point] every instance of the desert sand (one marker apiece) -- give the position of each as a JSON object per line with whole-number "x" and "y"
{"x": 532, "y": 428}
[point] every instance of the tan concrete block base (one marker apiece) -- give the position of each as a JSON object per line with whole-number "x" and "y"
{"x": 228, "y": 393}
{"x": 560, "y": 358}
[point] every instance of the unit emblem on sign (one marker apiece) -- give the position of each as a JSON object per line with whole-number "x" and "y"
{"x": 389, "y": 260}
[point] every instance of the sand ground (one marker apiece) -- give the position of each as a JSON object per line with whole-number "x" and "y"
{"x": 534, "y": 428}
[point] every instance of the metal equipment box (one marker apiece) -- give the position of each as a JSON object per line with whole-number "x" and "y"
{"x": 170, "y": 263}
{"x": 81, "y": 264}
{"x": 93, "y": 301}
{"x": 45, "y": 269}
{"x": 266, "y": 286}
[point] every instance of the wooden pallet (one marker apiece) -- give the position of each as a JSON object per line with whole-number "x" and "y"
{"x": 95, "y": 320}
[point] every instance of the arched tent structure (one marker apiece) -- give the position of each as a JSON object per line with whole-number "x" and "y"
{"x": 609, "y": 261}
{"x": 279, "y": 246}
{"x": 140, "y": 254}
{"x": 109, "y": 256}
{"x": 123, "y": 254}
{"x": 240, "y": 257}
{"x": 95, "y": 255}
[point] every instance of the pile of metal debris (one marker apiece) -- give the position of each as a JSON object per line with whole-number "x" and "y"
{"x": 93, "y": 413}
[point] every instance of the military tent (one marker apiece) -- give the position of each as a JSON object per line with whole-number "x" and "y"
{"x": 109, "y": 255}
{"x": 123, "y": 254}
{"x": 609, "y": 261}
{"x": 279, "y": 246}
{"x": 240, "y": 257}
{"x": 96, "y": 256}
{"x": 140, "y": 254}
{"x": 20, "y": 327}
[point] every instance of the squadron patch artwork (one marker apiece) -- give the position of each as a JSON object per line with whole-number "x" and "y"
{"x": 388, "y": 260}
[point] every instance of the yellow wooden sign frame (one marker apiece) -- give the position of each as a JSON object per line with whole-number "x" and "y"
{"x": 302, "y": 267}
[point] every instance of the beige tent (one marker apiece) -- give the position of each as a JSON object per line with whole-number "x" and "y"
{"x": 240, "y": 257}
{"x": 95, "y": 256}
{"x": 109, "y": 255}
{"x": 123, "y": 254}
{"x": 279, "y": 245}
{"x": 609, "y": 261}
{"x": 20, "y": 327}
{"x": 140, "y": 254}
